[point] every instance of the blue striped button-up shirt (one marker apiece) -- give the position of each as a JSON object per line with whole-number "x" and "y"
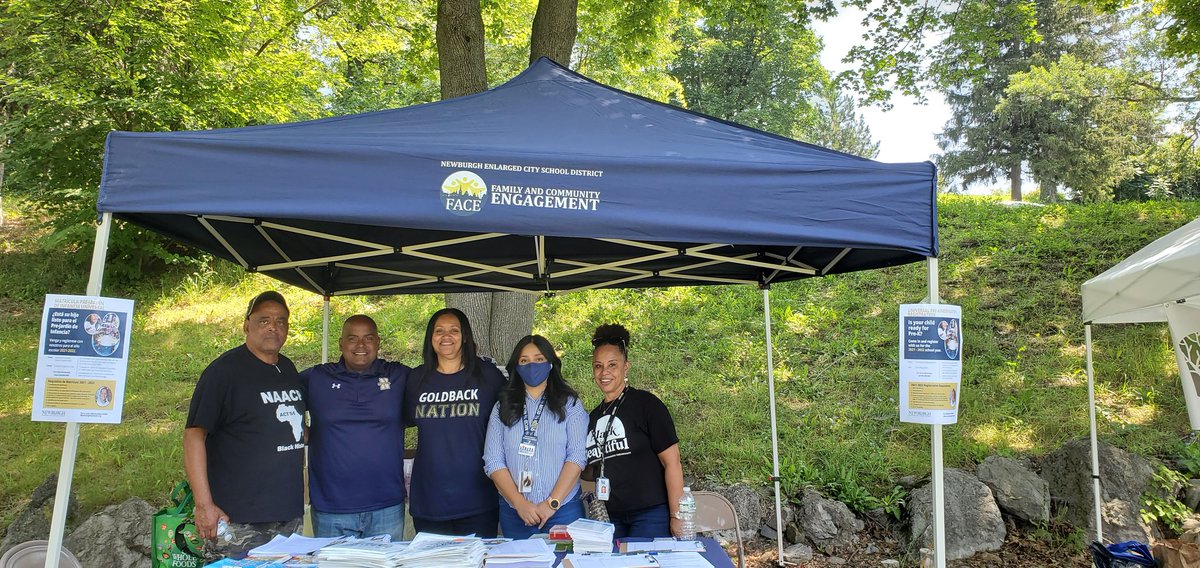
{"x": 557, "y": 444}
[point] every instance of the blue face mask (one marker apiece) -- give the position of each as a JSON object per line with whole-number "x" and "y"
{"x": 534, "y": 374}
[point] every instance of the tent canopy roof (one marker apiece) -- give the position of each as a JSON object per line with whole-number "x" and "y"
{"x": 1139, "y": 288}
{"x": 549, "y": 182}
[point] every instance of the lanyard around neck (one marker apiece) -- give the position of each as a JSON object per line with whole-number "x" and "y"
{"x": 612, "y": 417}
{"x": 531, "y": 429}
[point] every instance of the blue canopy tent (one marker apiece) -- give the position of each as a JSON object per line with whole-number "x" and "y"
{"x": 559, "y": 183}
{"x": 548, "y": 183}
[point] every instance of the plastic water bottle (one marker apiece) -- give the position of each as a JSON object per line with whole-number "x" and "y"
{"x": 223, "y": 531}
{"x": 927, "y": 558}
{"x": 687, "y": 514}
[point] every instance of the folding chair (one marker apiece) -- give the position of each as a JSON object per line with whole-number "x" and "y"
{"x": 713, "y": 513}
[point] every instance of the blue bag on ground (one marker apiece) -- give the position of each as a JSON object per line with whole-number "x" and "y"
{"x": 1128, "y": 554}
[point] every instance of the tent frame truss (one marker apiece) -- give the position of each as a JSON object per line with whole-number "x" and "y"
{"x": 539, "y": 261}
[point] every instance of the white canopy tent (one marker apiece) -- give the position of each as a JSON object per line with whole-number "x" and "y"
{"x": 1139, "y": 289}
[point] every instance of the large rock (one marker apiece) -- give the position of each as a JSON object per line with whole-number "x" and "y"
{"x": 798, "y": 553}
{"x": 752, "y": 505}
{"x": 829, "y": 525}
{"x": 768, "y": 529}
{"x": 1123, "y": 521}
{"x": 973, "y": 521}
{"x": 1018, "y": 491}
{"x": 1191, "y": 494}
{"x": 1123, "y": 479}
{"x": 33, "y": 522}
{"x": 116, "y": 537}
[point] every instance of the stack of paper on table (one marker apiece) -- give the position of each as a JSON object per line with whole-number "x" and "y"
{"x": 297, "y": 545}
{"x": 429, "y": 550}
{"x": 361, "y": 554}
{"x": 533, "y": 553}
{"x": 591, "y": 536}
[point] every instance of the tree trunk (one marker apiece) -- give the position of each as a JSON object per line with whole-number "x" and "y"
{"x": 1049, "y": 192}
{"x": 1014, "y": 181}
{"x": 460, "y": 48}
{"x": 554, "y": 29}
{"x": 499, "y": 319}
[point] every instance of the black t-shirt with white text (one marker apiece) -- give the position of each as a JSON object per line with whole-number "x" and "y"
{"x": 641, "y": 430}
{"x": 253, "y": 413}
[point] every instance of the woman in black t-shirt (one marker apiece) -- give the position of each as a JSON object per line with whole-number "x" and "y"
{"x": 633, "y": 451}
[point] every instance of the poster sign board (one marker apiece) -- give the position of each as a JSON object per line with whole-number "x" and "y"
{"x": 931, "y": 346}
{"x": 83, "y": 356}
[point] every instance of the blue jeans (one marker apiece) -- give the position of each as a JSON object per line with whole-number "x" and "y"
{"x": 513, "y": 527}
{"x": 388, "y": 520}
{"x": 651, "y": 522}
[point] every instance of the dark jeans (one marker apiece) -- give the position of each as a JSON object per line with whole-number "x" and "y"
{"x": 651, "y": 522}
{"x": 514, "y": 527}
{"x": 485, "y": 525}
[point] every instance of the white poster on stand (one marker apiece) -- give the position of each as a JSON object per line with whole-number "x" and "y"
{"x": 931, "y": 345}
{"x": 83, "y": 357}
{"x": 1184, "y": 321}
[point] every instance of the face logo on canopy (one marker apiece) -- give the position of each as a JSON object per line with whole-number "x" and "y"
{"x": 463, "y": 193}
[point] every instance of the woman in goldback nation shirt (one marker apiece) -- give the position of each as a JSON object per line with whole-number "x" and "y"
{"x": 449, "y": 398}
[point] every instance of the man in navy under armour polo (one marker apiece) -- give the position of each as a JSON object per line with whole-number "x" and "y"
{"x": 356, "y": 438}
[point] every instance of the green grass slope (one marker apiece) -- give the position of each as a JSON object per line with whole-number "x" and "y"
{"x": 1016, "y": 272}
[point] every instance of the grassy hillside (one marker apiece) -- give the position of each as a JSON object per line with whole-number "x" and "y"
{"x": 1015, "y": 271}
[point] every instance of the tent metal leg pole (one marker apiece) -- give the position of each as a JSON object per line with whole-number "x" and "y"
{"x": 66, "y": 470}
{"x": 774, "y": 427}
{"x": 325, "y": 332}
{"x": 935, "y": 451}
{"x": 939, "y": 497}
{"x": 1087, "y": 334}
{"x": 66, "y": 467}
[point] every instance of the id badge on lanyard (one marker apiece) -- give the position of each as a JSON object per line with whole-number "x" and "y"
{"x": 528, "y": 446}
{"x": 602, "y": 488}
{"x": 528, "y": 443}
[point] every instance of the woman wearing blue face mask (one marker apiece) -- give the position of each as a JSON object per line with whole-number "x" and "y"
{"x": 536, "y": 443}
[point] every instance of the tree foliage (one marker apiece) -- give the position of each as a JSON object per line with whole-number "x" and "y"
{"x": 380, "y": 53}
{"x": 1081, "y": 124}
{"x": 628, "y": 45}
{"x": 757, "y": 75}
{"x": 838, "y": 124}
{"x": 1181, "y": 21}
{"x": 986, "y": 44}
{"x": 75, "y": 71}
{"x": 760, "y": 67}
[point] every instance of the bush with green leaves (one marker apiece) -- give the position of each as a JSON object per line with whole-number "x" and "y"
{"x": 1161, "y": 502}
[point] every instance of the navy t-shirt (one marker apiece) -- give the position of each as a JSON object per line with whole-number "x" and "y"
{"x": 253, "y": 413}
{"x": 356, "y": 436}
{"x": 451, "y": 414}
